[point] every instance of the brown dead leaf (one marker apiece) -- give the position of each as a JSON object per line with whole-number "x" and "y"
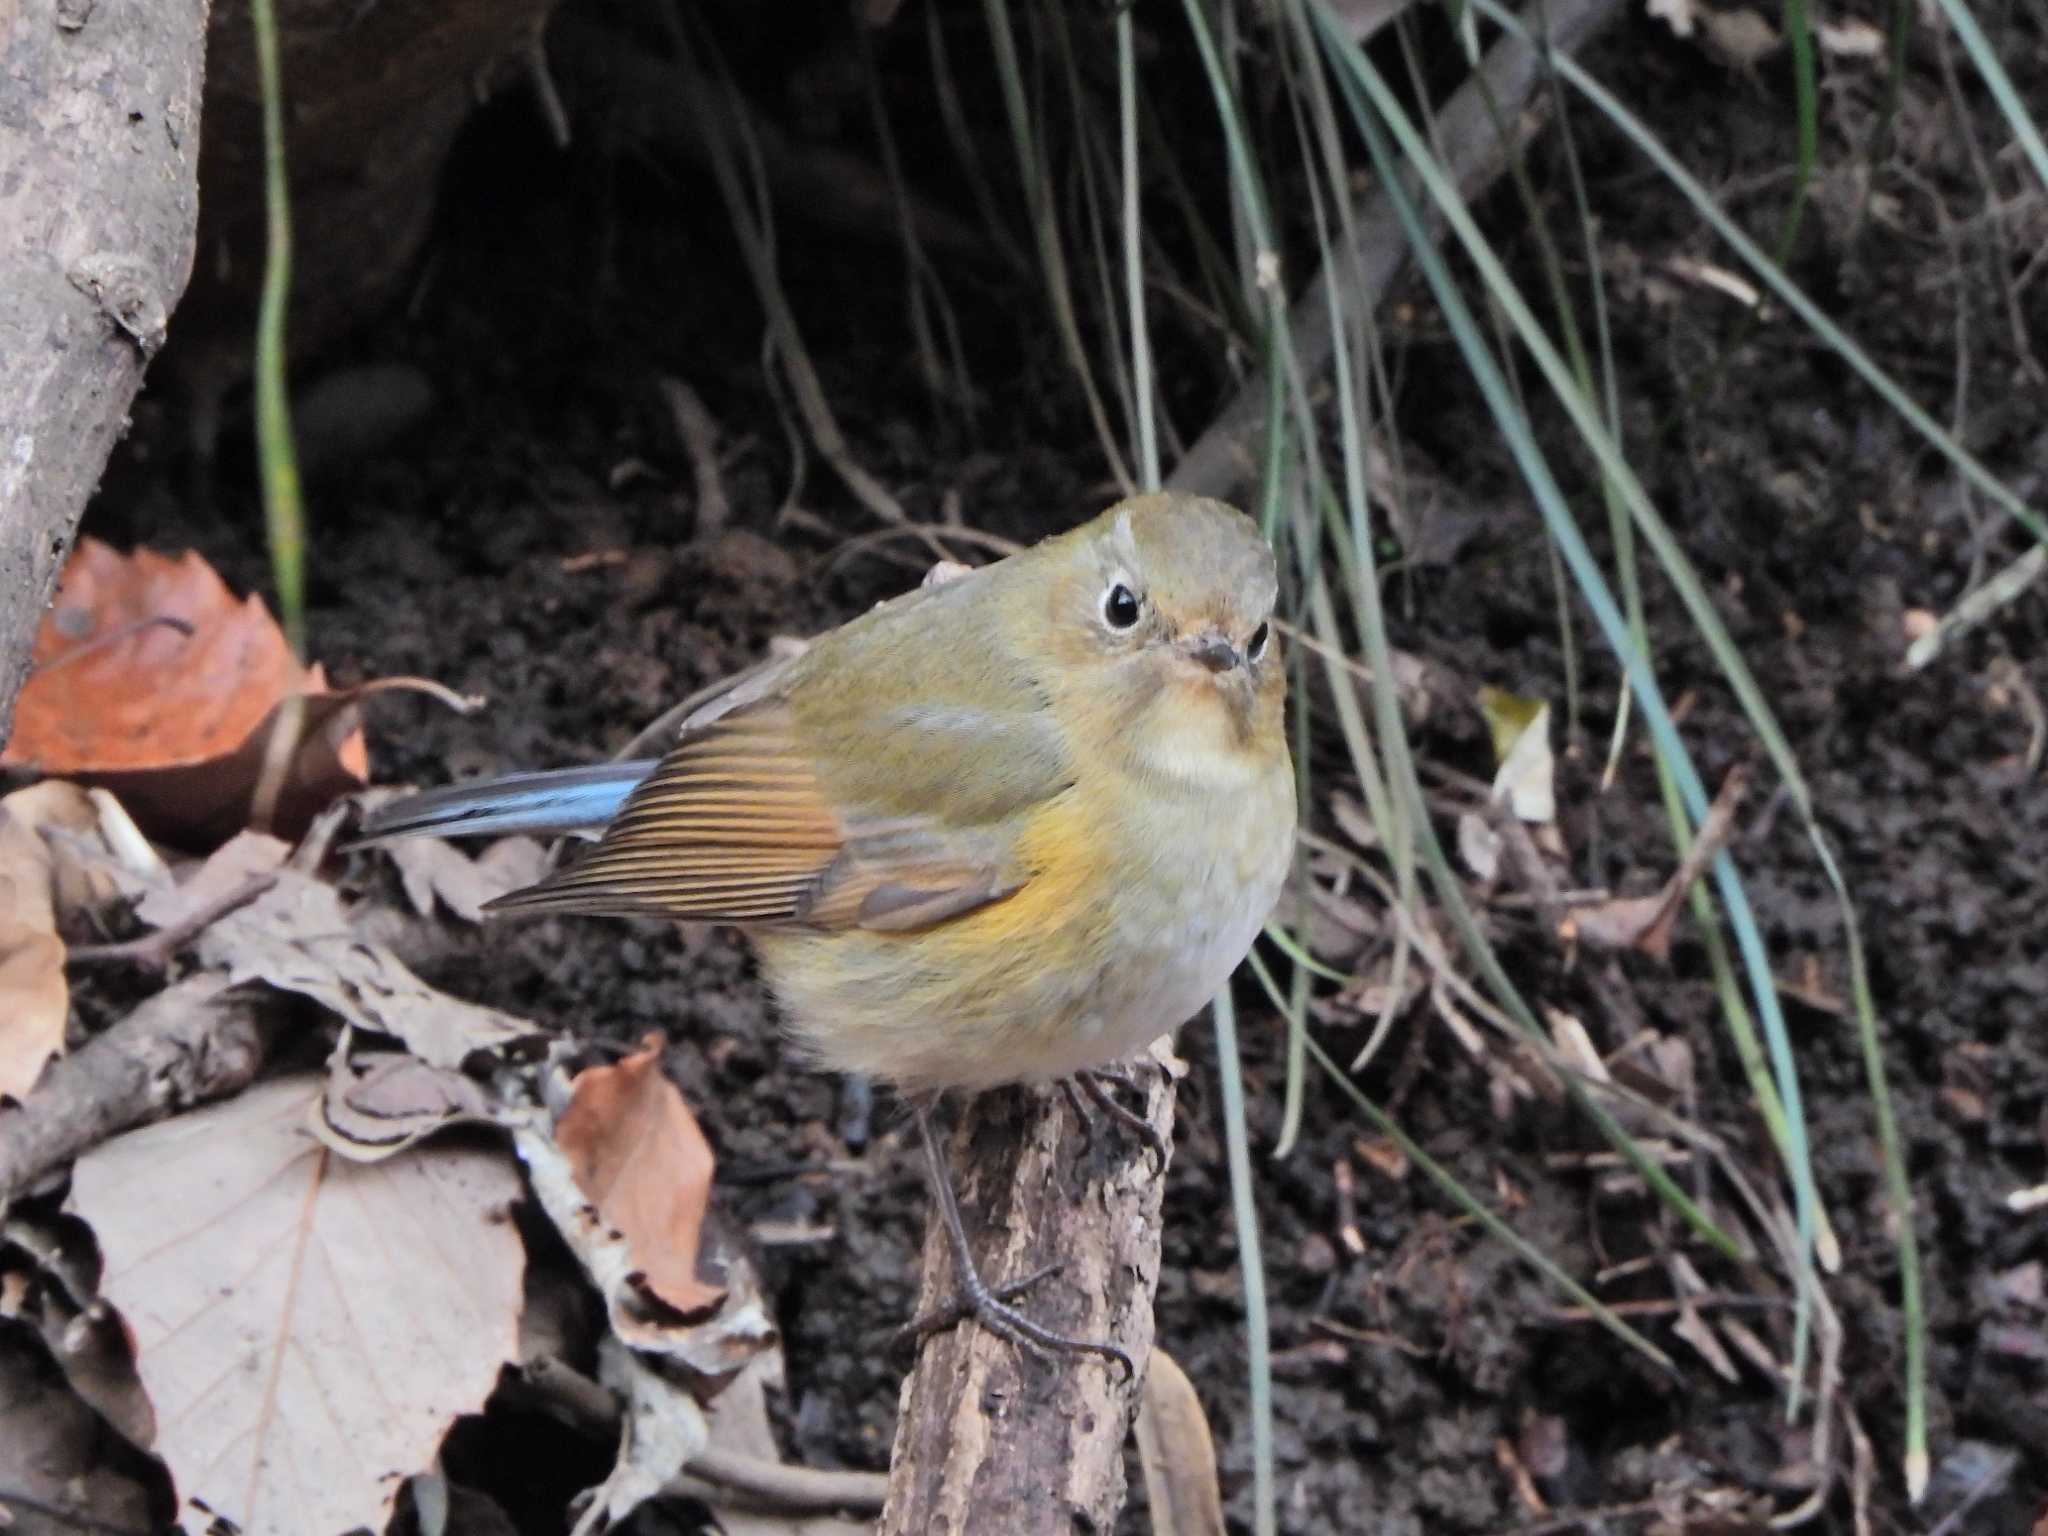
{"x": 378, "y": 1105}
{"x": 96, "y": 854}
{"x": 307, "y": 1328}
{"x": 434, "y": 872}
{"x": 232, "y": 865}
{"x": 1645, "y": 922}
{"x": 150, "y": 678}
{"x": 1177, "y": 1453}
{"x": 147, "y": 662}
{"x": 713, "y": 1349}
{"x": 640, "y": 1158}
{"x": 34, "y": 998}
{"x": 153, "y": 681}
{"x": 297, "y": 937}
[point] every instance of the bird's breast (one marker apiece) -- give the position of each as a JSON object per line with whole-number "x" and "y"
{"x": 1143, "y": 896}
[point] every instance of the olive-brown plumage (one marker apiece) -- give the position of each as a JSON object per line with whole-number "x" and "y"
{"x": 999, "y": 829}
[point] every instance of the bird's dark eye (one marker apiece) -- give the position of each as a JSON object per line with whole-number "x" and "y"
{"x": 1257, "y": 647}
{"x": 1120, "y": 607}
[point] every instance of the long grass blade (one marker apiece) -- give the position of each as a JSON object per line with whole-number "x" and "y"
{"x": 1251, "y": 1264}
{"x": 284, "y": 512}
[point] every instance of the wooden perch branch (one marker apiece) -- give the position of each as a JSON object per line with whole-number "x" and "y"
{"x": 989, "y": 1438}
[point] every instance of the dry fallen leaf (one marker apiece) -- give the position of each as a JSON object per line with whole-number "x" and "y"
{"x": 1178, "y": 1454}
{"x": 437, "y": 872}
{"x": 1645, "y": 922}
{"x": 307, "y": 1328}
{"x": 1526, "y": 777}
{"x": 378, "y": 1105}
{"x": 664, "y": 1428}
{"x": 1739, "y": 38}
{"x": 97, "y": 856}
{"x": 639, "y": 1157}
{"x": 1850, "y": 38}
{"x": 297, "y": 937}
{"x": 151, "y": 679}
{"x": 34, "y": 999}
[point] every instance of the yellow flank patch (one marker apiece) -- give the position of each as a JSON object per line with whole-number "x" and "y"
{"x": 1059, "y": 846}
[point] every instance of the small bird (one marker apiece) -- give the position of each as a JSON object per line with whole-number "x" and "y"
{"x": 1005, "y": 828}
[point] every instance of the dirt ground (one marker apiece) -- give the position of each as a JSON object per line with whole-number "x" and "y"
{"x": 534, "y": 539}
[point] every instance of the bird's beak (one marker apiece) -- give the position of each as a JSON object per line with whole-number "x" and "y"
{"x": 1214, "y": 651}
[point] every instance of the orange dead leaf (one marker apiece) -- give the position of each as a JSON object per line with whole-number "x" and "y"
{"x": 34, "y": 999}
{"x": 151, "y": 679}
{"x": 639, "y": 1157}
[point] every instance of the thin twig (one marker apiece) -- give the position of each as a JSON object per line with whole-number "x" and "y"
{"x": 153, "y": 951}
{"x": 698, "y": 429}
{"x": 195, "y": 1041}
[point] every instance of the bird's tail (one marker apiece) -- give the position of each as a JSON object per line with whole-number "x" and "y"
{"x": 562, "y": 801}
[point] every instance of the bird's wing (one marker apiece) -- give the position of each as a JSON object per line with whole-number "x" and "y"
{"x": 883, "y": 779}
{"x": 913, "y": 817}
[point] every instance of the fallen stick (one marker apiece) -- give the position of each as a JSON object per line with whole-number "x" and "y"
{"x": 195, "y": 1041}
{"x": 989, "y": 1438}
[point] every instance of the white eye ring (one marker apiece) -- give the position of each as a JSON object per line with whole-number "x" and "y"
{"x": 1257, "y": 646}
{"x": 1121, "y": 607}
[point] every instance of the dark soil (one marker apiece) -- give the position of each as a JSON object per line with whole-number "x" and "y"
{"x": 562, "y": 285}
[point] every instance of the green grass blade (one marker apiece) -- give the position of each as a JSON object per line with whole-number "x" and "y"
{"x": 1258, "y": 1340}
{"x": 1356, "y": 74}
{"x": 284, "y": 513}
{"x": 1134, "y": 252}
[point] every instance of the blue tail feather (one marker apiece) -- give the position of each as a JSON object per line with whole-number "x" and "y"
{"x": 554, "y": 803}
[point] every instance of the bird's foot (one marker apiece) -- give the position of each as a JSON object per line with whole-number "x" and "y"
{"x": 1094, "y": 1086}
{"x": 975, "y": 1301}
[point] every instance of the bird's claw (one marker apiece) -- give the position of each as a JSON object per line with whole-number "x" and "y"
{"x": 975, "y": 1301}
{"x": 1092, "y": 1086}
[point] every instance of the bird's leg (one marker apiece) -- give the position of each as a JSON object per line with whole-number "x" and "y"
{"x": 1093, "y": 1085}
{"x": 973, "y": 1298}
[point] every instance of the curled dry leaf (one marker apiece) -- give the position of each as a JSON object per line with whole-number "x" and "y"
{"x": 1178, "y": 1454}
{"x": 1526, "y": 779}
{"x": 297, "y": 937}
{"x": 1645, "y": 922}
{"x": 641, "y": 1160}
{"x": 97, "y": 854}
{"x": 435, "y": 872}
{"x": 34, "y": 998}
{"x": 664, "y": 1429}
{"x": 378, "y": 1105}
{"x": 150, "y": 678}
{"x": 61, "y": 854}
{"x": 307, "y": 1328}
{"x": 713, "y": 1348}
